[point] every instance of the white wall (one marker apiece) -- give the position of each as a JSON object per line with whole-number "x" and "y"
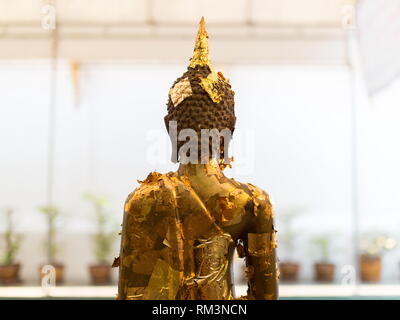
{"x": 296, "y": 118}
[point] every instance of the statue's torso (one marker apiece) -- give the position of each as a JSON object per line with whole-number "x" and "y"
{"x": 179, "y": 235}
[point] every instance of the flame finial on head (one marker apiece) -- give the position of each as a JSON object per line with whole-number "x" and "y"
{"x": 200, "y": 54}
{"x": 201, "y": 98}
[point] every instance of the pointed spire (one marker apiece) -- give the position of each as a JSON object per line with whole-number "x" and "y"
{"x": 200, "y": 54}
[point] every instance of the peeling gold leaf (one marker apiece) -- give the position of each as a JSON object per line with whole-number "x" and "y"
{"x": 116, "y": 263}
{"x": 135, "y": 293}
{"x": 259, "y": 244}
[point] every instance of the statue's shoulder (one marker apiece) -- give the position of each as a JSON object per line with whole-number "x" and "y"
{"x": 155, "y": 191}
{"x": 250, "y": 189}
{"x": 260, "y": 198}
{"x": 257, "y": 192}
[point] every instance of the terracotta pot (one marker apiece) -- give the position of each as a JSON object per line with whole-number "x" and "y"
{"x": 370, "y": 268}
{"x": 9, "y": 274}
{"x": 289, "y": 271}
{"x": 324, "y": 272}
{"x": 59, "y": 268}
{"x": 100, "y": 274}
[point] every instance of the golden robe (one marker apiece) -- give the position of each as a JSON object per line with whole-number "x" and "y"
{"x": 180, "y": 231}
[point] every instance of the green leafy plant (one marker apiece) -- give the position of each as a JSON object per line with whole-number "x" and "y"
{"x": 51, "y": 213}
{"x": 11, "y": 239}
{"x": 322, "y": 245}
{"x": 376, "y": 245}
{"x": 287, "y": 232}
{"x": 103, "y": 238}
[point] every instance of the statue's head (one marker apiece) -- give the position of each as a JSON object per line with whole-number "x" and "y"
{"x": 200, "y": 100}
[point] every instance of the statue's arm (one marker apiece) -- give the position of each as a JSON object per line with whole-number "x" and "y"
{"x": 143, "y": 230}
{"x": 134, "y": 251}
{"x": 260, "y": 245}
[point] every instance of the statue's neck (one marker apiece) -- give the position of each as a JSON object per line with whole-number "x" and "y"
{"x": 200, "y": 170}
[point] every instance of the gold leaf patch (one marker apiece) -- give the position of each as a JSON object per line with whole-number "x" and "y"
{"x": 180, "y": 91}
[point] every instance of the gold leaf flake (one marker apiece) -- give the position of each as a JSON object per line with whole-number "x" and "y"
{"x": 116, "y": 263}
{"x": 134, "y": 293}
{"x": 259, "y": 244}
{"x": 163, "y": 284}
{"x": 166, "y": 243}
{"x": 180, "y": 91}
{"x": 209, "y": 85}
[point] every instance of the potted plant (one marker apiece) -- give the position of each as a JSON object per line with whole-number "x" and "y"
{"x": 9, "y": 269}
{"x": 373, "y": 247}
{"x": 289, "y": 269}
{"x": 103, "y": 239}
{"x": 52, "y": 214}
{"x": 324, "y": 269}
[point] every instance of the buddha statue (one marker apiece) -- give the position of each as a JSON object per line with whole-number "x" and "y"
{"x": 180, "y": 229}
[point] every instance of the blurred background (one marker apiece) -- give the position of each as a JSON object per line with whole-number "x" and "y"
{"x": 83, "y": 92}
